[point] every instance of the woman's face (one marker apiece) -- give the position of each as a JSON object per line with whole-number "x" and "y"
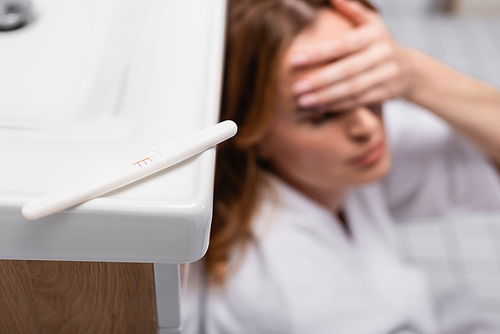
{"x": 320, "y": 152}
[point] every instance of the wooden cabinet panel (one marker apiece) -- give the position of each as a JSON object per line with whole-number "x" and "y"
{"x": 76, "y": 297}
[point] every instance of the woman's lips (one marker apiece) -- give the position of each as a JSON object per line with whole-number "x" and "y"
{"x": 371, "y": 156}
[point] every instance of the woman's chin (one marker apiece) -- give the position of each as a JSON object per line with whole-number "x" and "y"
{"x": 374, "y": 172}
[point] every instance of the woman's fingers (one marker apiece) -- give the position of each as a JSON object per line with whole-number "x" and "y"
{"x": 375, "y": 95}
{"x": 353, "y": 86}
{"x": 348, "y": 67}
{"x": 351, "y": 42}
{"x": 335, "y": 48}
{"x": 353, "y": 67}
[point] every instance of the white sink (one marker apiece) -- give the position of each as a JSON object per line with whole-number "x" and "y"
{"x": 90, "y": 83}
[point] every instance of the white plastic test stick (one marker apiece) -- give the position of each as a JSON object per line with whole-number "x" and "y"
{"x": 126, "y": 172}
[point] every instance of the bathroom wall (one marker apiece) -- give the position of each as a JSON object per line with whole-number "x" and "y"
{"x": 466, "y": 8}
{"x": 457, "y": 252}
{"x": 410, "y": 7}
{"x": 478, "y": 8}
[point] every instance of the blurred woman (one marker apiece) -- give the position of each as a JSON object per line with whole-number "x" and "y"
{"x": 306, "y": 193}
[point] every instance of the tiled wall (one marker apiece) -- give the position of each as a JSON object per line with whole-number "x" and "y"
{"x": 471, "y": 8}
{"x": 409, "y": 7}
{"x": 458, "y": 252}
{"x": 470, "y": 45}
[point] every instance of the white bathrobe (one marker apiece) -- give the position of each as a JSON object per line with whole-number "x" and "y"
{"x": 305, "y": 275}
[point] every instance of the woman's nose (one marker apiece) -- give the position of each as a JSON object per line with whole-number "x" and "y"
{"x": 363, "y": 123}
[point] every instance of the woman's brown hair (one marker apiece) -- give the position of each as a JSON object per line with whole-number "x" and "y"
{"x": 258, "y": 32}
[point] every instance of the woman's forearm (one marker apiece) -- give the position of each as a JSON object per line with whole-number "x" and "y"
{"x": 470, "y": 106}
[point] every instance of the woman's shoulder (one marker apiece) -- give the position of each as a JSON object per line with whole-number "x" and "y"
{"x": 291, "y": 231}
{"x": 292, "y": 264}
{"x": 435, "y": 170}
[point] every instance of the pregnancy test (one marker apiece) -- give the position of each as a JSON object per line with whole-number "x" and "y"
{"x": 126, "y": 172}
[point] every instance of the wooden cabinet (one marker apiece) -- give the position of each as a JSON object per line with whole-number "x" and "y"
{"x": 77, "y": 297}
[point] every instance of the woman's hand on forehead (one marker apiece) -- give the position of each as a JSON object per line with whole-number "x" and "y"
{"x": 363, "y": 66}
